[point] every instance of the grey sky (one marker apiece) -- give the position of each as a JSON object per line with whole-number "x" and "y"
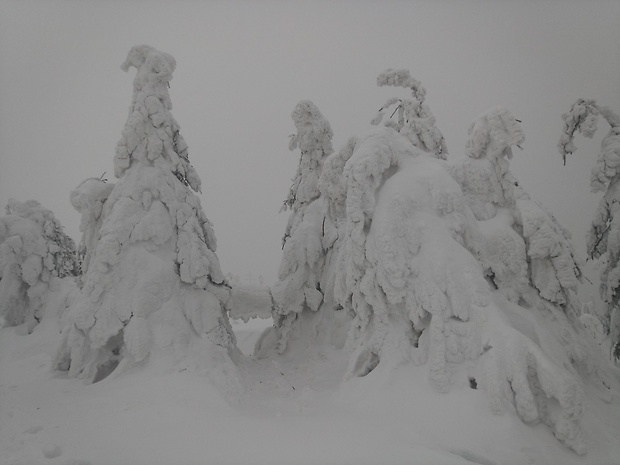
{"x": 243, "y": 65}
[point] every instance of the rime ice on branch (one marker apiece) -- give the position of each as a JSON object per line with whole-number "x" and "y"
{"x": 415, "y": 120}
{"x": 604, "y": 235}
{"x": 153, "y": 282}
{"x": 34, "y": 254}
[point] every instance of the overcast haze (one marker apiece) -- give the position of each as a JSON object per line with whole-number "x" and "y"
{"x": 242, "y": 67}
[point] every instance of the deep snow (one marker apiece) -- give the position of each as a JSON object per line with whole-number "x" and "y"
{"x": 281, "y": 412}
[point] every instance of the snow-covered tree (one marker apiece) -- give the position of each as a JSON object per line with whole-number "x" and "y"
{"x": 415, "y": 120}
{"x": 411, "y": 272}
{"x": 527, "y": 253}
{"x": 604, "y": 235}
{"x": 309, "y": 233}
{"x": 153, "y": 282}
{"x": 35, "y": 254}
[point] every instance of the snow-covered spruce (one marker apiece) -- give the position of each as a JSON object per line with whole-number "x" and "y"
{"x": 36, "y": 256}
{"x": 604, "y": 235}
{"x": 415, "y": 119}
{"x": 409, "y": 273}
{"x": 527, "y": 253}
{"x": 309, "y": 233}
{"x": 153, "y": 282}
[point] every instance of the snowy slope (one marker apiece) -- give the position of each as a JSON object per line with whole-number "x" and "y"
{"x": 286, "y": 413}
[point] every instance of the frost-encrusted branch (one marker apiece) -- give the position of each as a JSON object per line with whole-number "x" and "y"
{"x": 583, "y": 117}
{"x": 415, "y": 120}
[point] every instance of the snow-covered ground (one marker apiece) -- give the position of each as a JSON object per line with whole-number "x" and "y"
{"x": 271, "y": 412}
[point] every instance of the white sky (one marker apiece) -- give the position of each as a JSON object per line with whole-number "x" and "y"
{"x": 243, "y": 65}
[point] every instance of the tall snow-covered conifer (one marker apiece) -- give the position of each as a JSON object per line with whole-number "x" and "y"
{"x": 35, "y": 254}
{"x": 309, "y": 233}
{"x": 604, "y": 235}
{"x": 153, "y": 284}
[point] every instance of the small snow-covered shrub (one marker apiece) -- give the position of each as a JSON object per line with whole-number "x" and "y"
{"x": 35, "y": 254}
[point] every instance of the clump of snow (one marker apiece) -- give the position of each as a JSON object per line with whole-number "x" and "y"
{"x": 415, "y": 119}
{"x": 37, "y": 262}
{"x": 153, "y": 281}
{"x": 88, "y": 199}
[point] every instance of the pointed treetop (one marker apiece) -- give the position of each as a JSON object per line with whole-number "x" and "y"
{"x": 152, "y": 65}
{"x": 493, "y": 134}
{"x": 151, "y": 135}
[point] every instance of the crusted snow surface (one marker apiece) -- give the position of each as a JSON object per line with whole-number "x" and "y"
{"x": 37, "y": 263}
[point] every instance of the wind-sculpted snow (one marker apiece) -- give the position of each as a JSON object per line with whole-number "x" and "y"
{"x": 35, "y": 255}
{"x": 410, "y": 272}
{"x": 153, "y": 280}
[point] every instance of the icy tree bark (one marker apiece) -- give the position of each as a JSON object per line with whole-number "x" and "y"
{"x": 153, "y": 283}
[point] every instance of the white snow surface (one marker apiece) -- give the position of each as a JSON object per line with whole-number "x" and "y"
{"x": 162, "y": 414}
